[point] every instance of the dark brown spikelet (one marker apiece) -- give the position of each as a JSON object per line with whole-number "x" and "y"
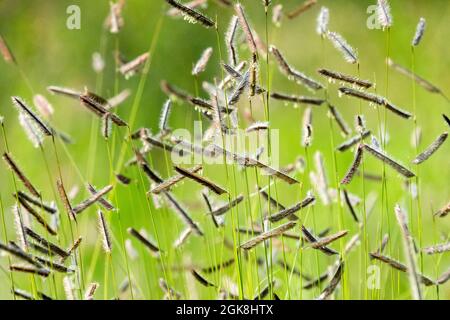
{"x": 292, "y": 73}
{"x": 350, "y": 206}
{"x": 20, "y": 175}
{"x": 219, "y": 266}
{"x": 30, "y": 210}
{"x": 201, "y": 180}
{"x": 273, "y": 202}
{"x": 123, "y": 179}
{"x": 431, "y": 149}
{"x": 346, "y": 78}
{"x": 146, "y": 242}
{"x": 201, "y": 279}
{"x": 230, "y": 41}
{"x": 173, "y": 91}
{"x": 267, "y": 170}
{"x": 225, "y": 208}
{"x": 400, "y": 267}
{"x": 375, "y": 99}
{"x": 72, "y": 249}
{"x": 328, "y": 291}
{"x": 104, "y": 231}
{"x": 146, "y": 168}
{"x": 45, "y": 243}
{"x": 239, "y": 90}
{"x": 246, "y": 28}
{"x": 389, "y": 161}
{"x": 55, "y": 265}
{"x": 92, "y": 103}
{"x": 103, "y": 202}
{"x": 286, "y": 213}
{"x": 278, "y": 231}
{"x": 65, "y": 200}
{"x": 327, "y": 240}
{"x": 6, "y": 52}
{"x": 92, "y": 199}
{"x": 301, "y": 8}
{"x": 446, "y": 119}
{"x": 20, "y": 254}
{"x": 22, "y": 107}
{"x": 297, "y": 99}
{"x": 170, "y": 182}
{"x": 42, "y": 272}
{"x": 193, "y": 15}
{"x": 334, "y": 112}
{"x": 311, "y": 238}
{"x": 183, "y": 214}
{"x": 352, "y": 141}
{"x": 36, "y": 202}
{"x": 355, "y": 165}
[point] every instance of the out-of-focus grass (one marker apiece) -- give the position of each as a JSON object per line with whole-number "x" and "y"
{"x": 50, "y": 54}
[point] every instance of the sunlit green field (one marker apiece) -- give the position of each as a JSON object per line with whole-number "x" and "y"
{"x": 48, "y": 53}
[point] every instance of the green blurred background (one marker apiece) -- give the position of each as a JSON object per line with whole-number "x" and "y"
{"x": 50, "y": 54}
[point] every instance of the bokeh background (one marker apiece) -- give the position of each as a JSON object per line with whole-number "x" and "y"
{"x": 48, "y": 53}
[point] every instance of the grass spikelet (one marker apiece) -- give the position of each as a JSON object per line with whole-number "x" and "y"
{"x": 240, "y": 88}
{"x": 42, "y": 272}
{"x": 119, "y": 98}
{"x": 420, "y": 29}
{"x": 47, "y": 244}
{"x": 346, "y": 78}
{"x": 103, "y": 202}
{"x": 335, "y": 280}
{"x": 33, "y": 134}
{"x": 104, "y": 231}
{"x": 257, "y": 126}
{"x": 20, "y": 175}
{"x": 307, "y": 127}
{"x": 192, "y": 15}
{"x": 286, "y": 213}
{"x": 352, "y": 141}
{"x": 409, "y": 253}
{"x": 230, "y": 39}
{"x": 72, "y": 249}
{"x": 92, "y": 199}
{"x": 322, "y": 21}
{"x": 336, "y": 115}
{"x": 446, "y": 119}
{"x": 384, "y": 14}
{"x": 173, "y": 12}
{"x": 142, "y": 239}
{"x": 301, "y": 8}
{"x": 182, "y": 238}
{"x": 65, "y": 200}
{"x": 170, "y": 182}
{"x": 19, "y": 227}
{"x": 375, "y": 99}
{"x": 202, "y": 280}
{"x": 176, "y": 206}
{"x": 71, "y": 93}
{"x": 327, "y": 240}
{"x": 22, "y": 294}
{"x": 273, "y": 202}
{"x": 267, "y": 235}
{"x": 130, "y": 68}
{"x": 439, "y": 248}
{"x": 312, "y": 239}
{"x": 6, "y": 52}
{"x": 200, "y": 66}
{"x": 246, "y": 28}
{"x": 68, "y": 288}
{"x": 98, "y": 108}
{"x": 123, "y": 179}
{"x": 90, "y": 291}
{"x": 20, "y": 254}
{"x": 350, "y": 206}
{"x": 201, "y": 180}
{"x": 443, "y": 278}
{"x": 389, "y": 161}
{"x": 22, "y": 107}
{"x": 444, "y": 211}
{"x": 227, "y": 207}
{"x": 431, "y": 149}
{"x": 347, "y": 51}
{"x": 355, "y": 165}
{"x": 419, "y": 80}
{"x": 164, "y": 119}
{"x": 106, "y": 125}
{"x": 218, "y": 267}
{"x": 291, "y": 73}
{"x": 37, "y": 216}
{"x": 297, "y": 99}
